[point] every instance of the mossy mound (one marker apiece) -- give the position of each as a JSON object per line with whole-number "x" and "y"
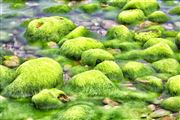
{"x": 33, "y": 76}
{"x": 124, "y": 46}
{"x": 48, "y": 29}
{"x": 3, "y": 103}
{"x": 178, "y": 40}
{"x": 157, "y": 52}
{"x": 78, "y": 69}
{"x": 175, "y": 10}
{"x": 169, "y": 65}
{"x": 154, "y": 41}
{"x": 173, "y": 85}
{"x": 75, "y": 47}
{"x": 58, "y": 9}
{"x": 147, "y": 6}
{"x": 131, "y": 16}
{"x": 117, "y": 3}
{"x": 145, "y": 36}
{"x": 94, "y": 56}
{"x": 120, "y": 32}
{"x": 130, "y": 55}
{"x": 172, "y": 104}
{"x": 133, "y": 70}
{"x": 80, "y": 31}
{"x": 150, "y": 83}
{"x": 110, "y": 69}
{"x": 49, "y": 99}
{"x": 90, "y": 8}
{"x": 91, "y": 83}
{"x": 78, "y": 112}
{"x": 6, "y": 76}
{"x": 158, "y": 16}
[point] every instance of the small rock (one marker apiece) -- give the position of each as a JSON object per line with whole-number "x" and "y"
{"x": 146, "y": 24}
{"x": 108, "y": 101}
{"x": 52, "y": 44}
{"x": 159, "y": 113}
{"x": 152, "y": 107}
{"x": 4, "y": 36}
{"x": 11, "y": 61}
{"x": 106, "y": 24}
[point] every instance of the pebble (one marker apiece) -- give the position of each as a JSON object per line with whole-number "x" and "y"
{"x": 5, "y": 36}
{"x": 11, "y": 61}
{"x": 108, "y": 101}
{"x": 159, "y": 113}
{"x": 106, "y": 24}
{"x": 152, "y": 107}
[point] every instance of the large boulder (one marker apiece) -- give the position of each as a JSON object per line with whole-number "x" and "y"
{"x": 48, "y": 29}
{"x": 173, "y": 85}
{"x": 33, "y": 76}
{"x": 75, "y": 47}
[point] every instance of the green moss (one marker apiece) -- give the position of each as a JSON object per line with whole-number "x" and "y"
{"x": 57, "y": 9}
{"x": 124, "y": 46}
{"x": 120, "y": 32}
{"x": 75, "y": 47}
{"x": 147, "y": 6}
{"x": 157, "y": 29}
{"x": 175, "y": 10}
{"x": 90, "y": 8}
{"x": 173, "y": 85}
{"x": 65, "y": 61}
{"x": 130, "y": 55}
{"x": 6, "y": 76}
{"x": 117, "y": 3}
{"x": 91, "y": 83}
{"x": 169, "y": 65}
{"x": 94, "y": 56}
{"x": 3, "y": 103}
{"x": 78, "y": 112}
{"x": 33, "y": 76}
{"x": 131, "y": 16}
{"x": 154, "y": 41}
{"x": 133, "y": 70}
{"x": 178, "y": 40}
{"x": 151, "y": 83}
{"x": 157, "y": 52}
{"x": 145, "y": 36}
{"x": 48, "y": 99}
{"x": 80, "y": 31}
{"x": 26, "y": 22}
{"x": 110, "y": 69}
{"x": 51, "y": 52}
{"x": 172, "y": 104}
{"x": 48, "y": 29}
{"x": 158, "y": 16}
{"x": 170, "y": 33}
{"x": 78, "y": 69}
{"x": 17, "y": 5}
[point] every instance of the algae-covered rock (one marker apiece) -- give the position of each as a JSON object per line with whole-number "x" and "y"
{"x": 157, "y": 52}
{"x": 80, "y": 31}
{"x": 173, "y": 85}
{"x": 75, "y": 47}
{"x": 58, "y": 9}
{"x": 147, "y": 6}
{"x": 110, "y": 69}
{"x": 48, "y": 29}
{"x": 145, "y": 36}
{"x": 130, "y": 55}
{"x": 178, "y": 40}
{"x": 6, "y": 76}
{"x": 94, "y": 56}
{"x": 151, "y": 83}
{"x": 117, "y": 3}
{"x": 169, "y": 65}
{"x": 131, "y": 16}
{"x": 33, "y": 76}
{"x": 158, "y": 16}
{"x": 133, "y": 70}
{"x": 78, "y": 112}
{"x": 124, "y": 46}
{"x": 3, "y": 103}
{"x": 49, "y": 99}
{"x": 120, "y": 32}
{"x": 78, "y": 69}
{"x": 175, "y": 10}
{"x": 90, "y": 8}
{"x": 91, "y": 83}
{"x": 172, "y": 104}
{"x": 154, "y": 41}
